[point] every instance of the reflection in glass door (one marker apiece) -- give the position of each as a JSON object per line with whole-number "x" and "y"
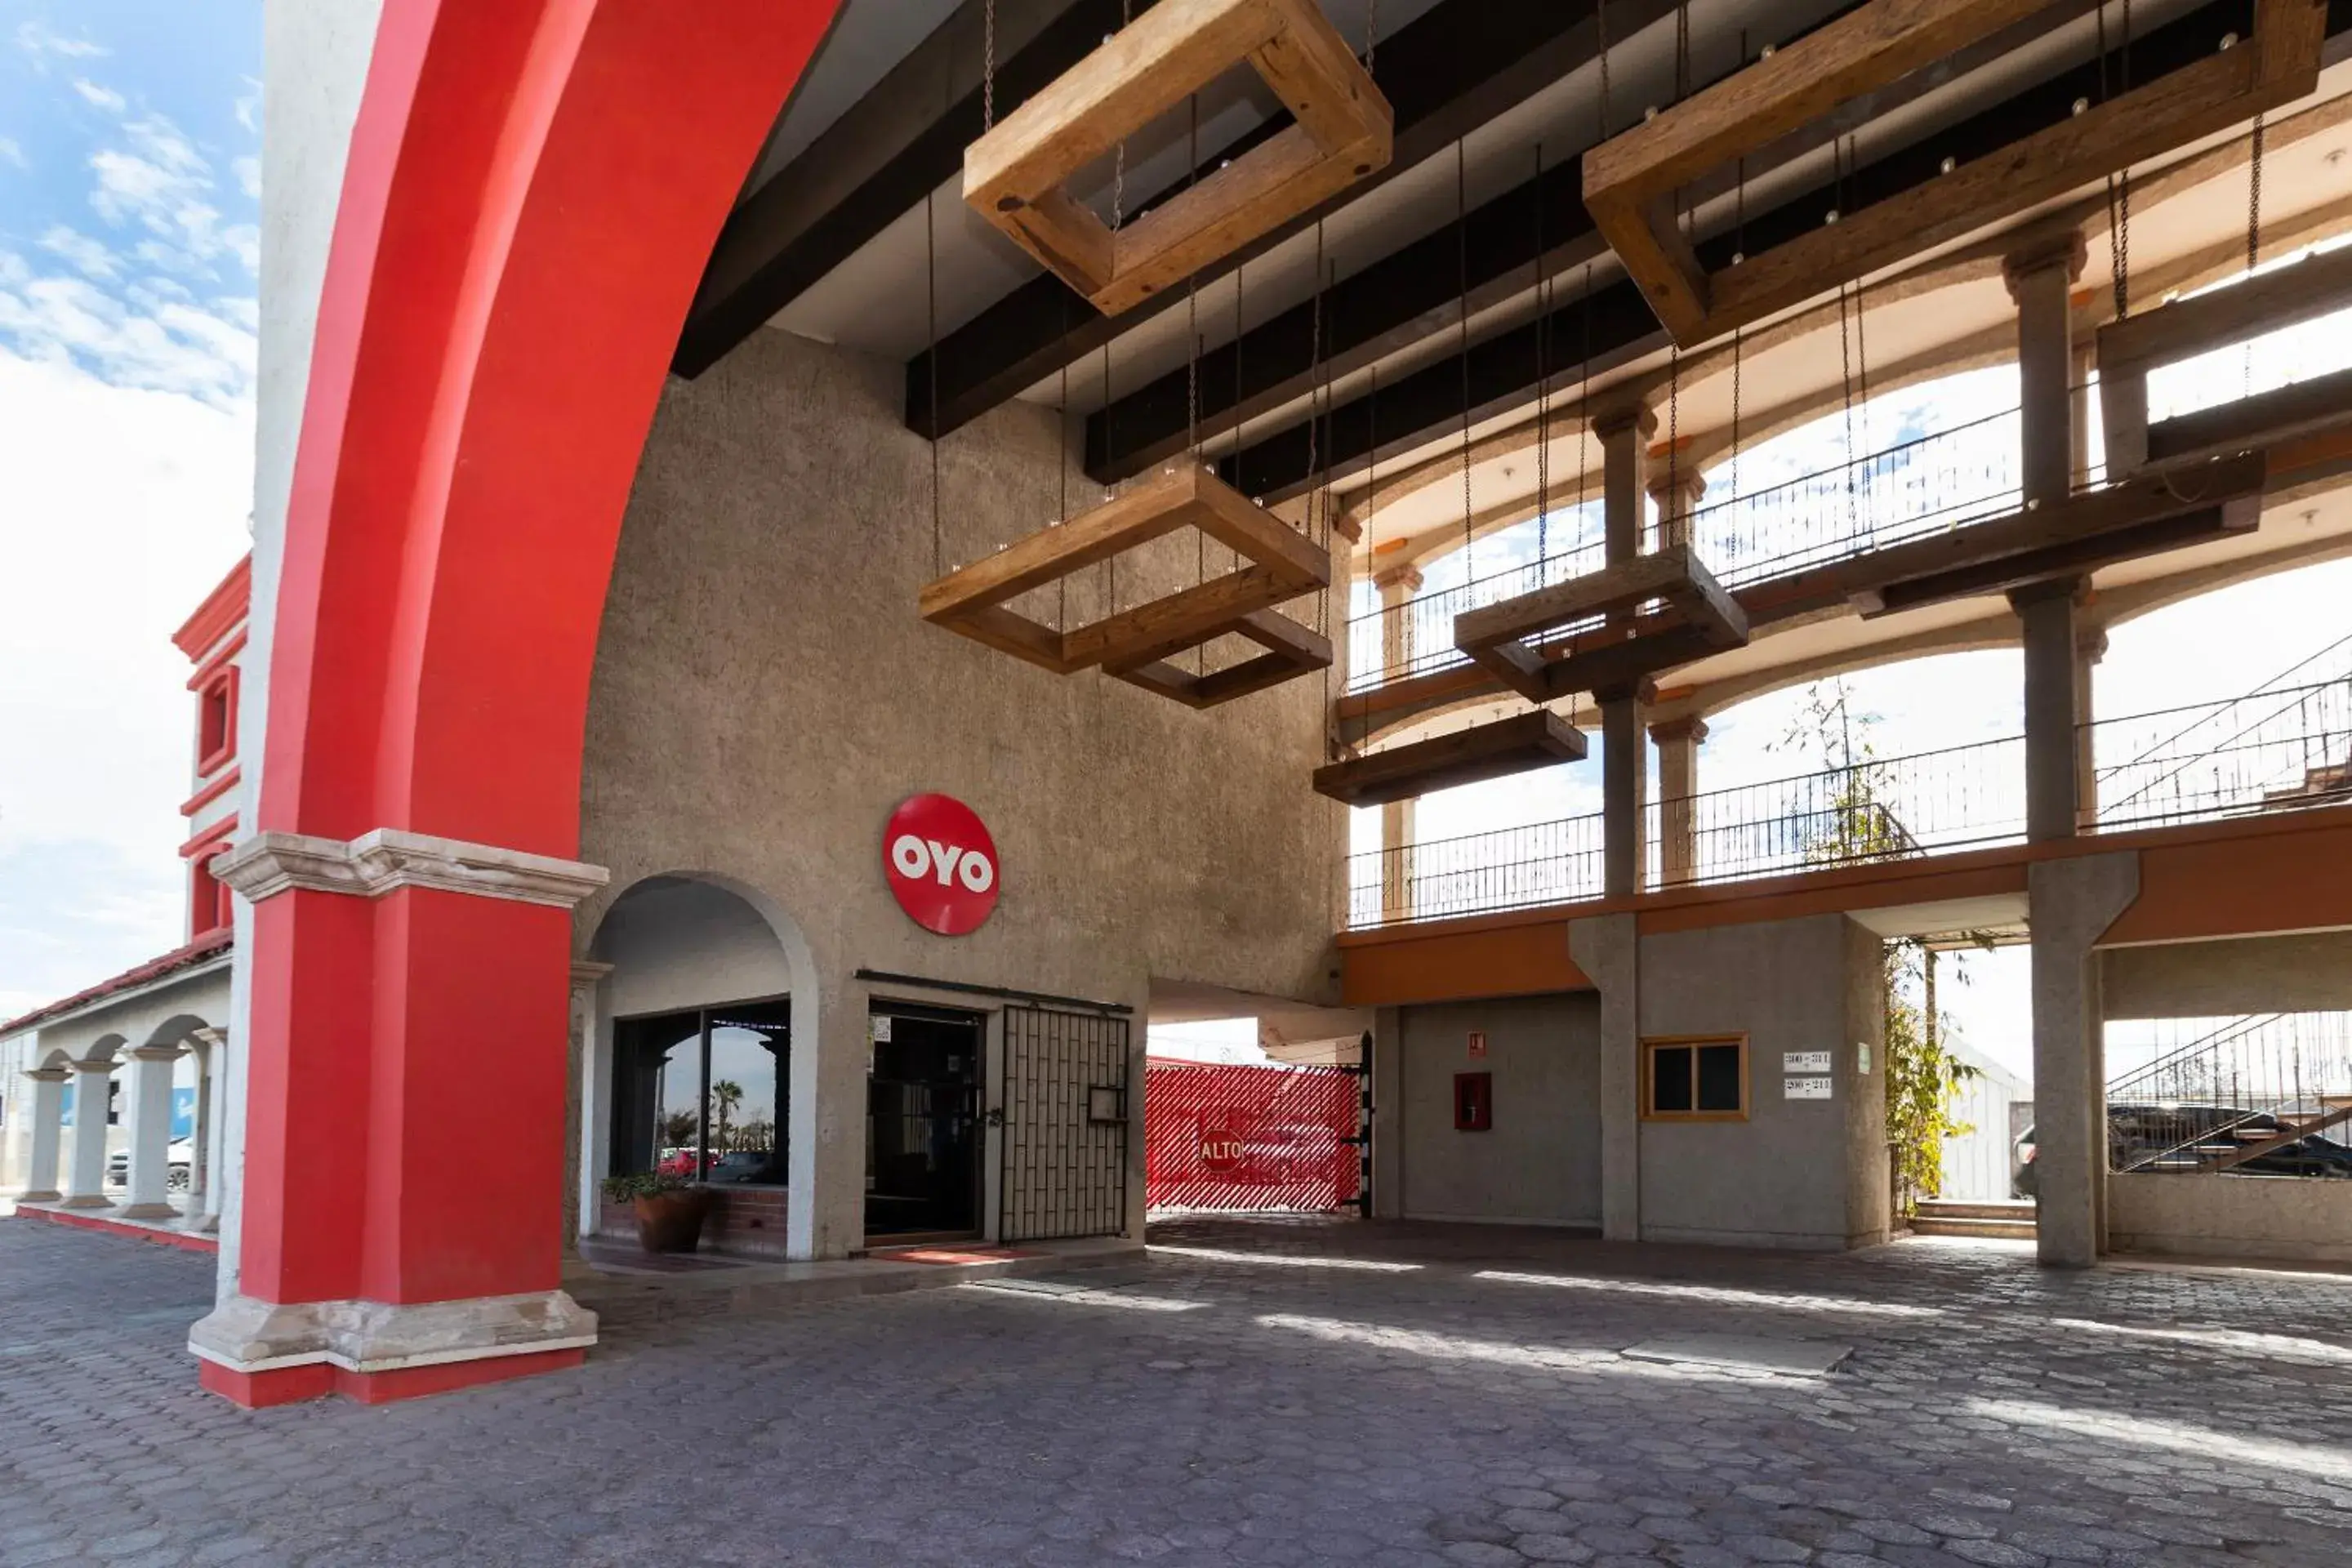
{"x": 922, "y": 1122}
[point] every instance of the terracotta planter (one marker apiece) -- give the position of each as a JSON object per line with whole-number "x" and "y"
{"x": 671, "y": 1222}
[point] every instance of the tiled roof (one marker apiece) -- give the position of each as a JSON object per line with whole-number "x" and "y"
{"x": 208, "y": 946}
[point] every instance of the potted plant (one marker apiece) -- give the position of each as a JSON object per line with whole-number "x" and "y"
{"x": 669, "y": 1209}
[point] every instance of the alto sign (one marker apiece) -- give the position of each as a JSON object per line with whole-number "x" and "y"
{"x": 941, "y": 864}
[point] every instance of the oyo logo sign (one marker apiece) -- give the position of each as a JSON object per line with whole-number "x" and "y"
{"x": 941, "y": 864}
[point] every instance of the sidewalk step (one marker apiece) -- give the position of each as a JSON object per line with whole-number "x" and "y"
{"x": 1923, "y": 1223}
{"x": 1956, "y": 1208}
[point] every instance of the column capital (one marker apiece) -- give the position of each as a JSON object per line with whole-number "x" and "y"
{"x": 1664, "y": 482}
{"x": 154, "y": 1053}
{"x": 1404, "y": 574}
{"x": 2039, "y": 252}
{"x": 586, "y": 971}
{"x": 93, "y": 1066}
{"x": 1612, "y": 420}
{"x": 2069, "y": 588}
{"x": 2090, "y": 643}
{"x": 389, "y": 858}
{"x": 49, "y": 1075}
{"x": 1689, "y": 727}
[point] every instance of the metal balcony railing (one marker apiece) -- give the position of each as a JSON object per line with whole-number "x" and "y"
{"x": 2274, "y": 749}
{"x": 2258, "y": 1095}
{"x": 1478, "y": 873}
{"x": 1915, "y": 487}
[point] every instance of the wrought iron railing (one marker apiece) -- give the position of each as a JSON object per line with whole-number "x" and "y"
{"x": 2266, "y": 1086}
{"x": 1923, "y": 486}
{"x": 1478, "y": 873}
{"x": 1416, "y": 637}
{"x": 1915, "y": 487}
{"x": 1882, "y": 809}
{"x": 2274, "y": 750}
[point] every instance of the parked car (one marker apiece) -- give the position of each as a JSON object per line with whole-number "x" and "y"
{"x": 177, "y": 1175}
{"x": 2196, "y": 1133}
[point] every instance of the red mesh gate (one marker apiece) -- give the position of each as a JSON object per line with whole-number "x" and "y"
{"x": 1250, "y": 1137}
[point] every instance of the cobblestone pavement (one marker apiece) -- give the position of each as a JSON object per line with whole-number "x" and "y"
{"x": 1242, "y": 1397}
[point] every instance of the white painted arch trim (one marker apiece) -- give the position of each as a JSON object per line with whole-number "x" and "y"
{"x": 387, "y": 860}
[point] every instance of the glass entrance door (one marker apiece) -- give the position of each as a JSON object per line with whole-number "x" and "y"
{"x": 922, "y": 1122}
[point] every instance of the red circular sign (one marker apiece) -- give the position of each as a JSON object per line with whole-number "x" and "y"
{"x": 1220, "y": 1147}
{"x": 941, "y": 864}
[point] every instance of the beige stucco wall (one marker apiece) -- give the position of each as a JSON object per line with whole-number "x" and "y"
{"x": 765, "y": 695}
{"x": 1540, "y": 1162}
{"x": 2284, "y": 1218}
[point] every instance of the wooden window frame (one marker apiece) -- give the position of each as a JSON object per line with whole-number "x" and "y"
{"x": 1015, "y": 175}
{"x": 1631, "y": 179}
{"x": 1648, "y": 1085}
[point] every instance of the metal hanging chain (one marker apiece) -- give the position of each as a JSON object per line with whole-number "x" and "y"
{"x": 988, "y": 66}
{"x": 1461, "y": 262}
{"x": 1371, "y": 34}
{"x": 1543, "y": 373}
{"x": 931, "y": 305}
{"x": 1601, "y": 37}
{"x": 1845, "y": 355}
{"x": 1110, "y": 563}
{"x": 1682, "y": 51}
{"x": 2119, "y": 182}
{"x": 1739, "y": 252}
{"x": 2253, "y": 234}
{"x": 1584, "y": 393}
{"x": 1119, "y": 162}
{"x": 1313, "y": 395}
{"x": 1062, "y": 465}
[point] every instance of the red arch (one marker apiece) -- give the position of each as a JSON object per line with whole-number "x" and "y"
{"x": 532, "y": 190}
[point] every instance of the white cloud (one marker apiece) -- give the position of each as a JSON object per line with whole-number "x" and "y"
{"x": 248, "y": 175}
{"x": 41, "y": 41}
{"x": 157, "y": 182}
{"x": 165, "y": 346}
{"x": 123, "y": 507}
{"x": 248, "y": 106}
{"x": 89, "y": 257}
{"x": 12, "y": 153}
{"x": 105, "y": 97}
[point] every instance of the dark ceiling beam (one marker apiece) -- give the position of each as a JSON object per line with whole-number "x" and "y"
{"x": 1504, "y": 249}
{"x": 1450, "y": 70}
{"x": 1500, "y": 372}
{"x": 884, "y": 155}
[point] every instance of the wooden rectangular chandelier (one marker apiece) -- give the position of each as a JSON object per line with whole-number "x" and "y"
{"x": 1530, "y": 643}
{"x": 1134, "y": 644}
{"x": 1631, "y": 179}
{"x": 1015, "y": 175}
{"x": 1517, "y": 744}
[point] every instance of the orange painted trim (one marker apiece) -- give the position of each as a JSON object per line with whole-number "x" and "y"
{"x": 1525, "y": 959}
{"x": 223, "y": 608}
{"x": 185, "y": 1241}
{"x": 2245, "y": 885}
{"x": 211, "y": 791}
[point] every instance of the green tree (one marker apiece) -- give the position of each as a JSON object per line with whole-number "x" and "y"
{"x": 725, "y": 1096}
{"x": 1853, "y": 820}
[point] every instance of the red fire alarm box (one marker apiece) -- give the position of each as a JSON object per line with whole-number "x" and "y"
{"x": 1474, "y": 1101}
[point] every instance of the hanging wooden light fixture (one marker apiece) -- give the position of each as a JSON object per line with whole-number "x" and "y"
{"x": 1014, "y": 175}
{"x": 1276, "y": 564}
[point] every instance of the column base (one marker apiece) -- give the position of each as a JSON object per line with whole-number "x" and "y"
{"x": 85, "y": 1201}
{"x": 292, "y": 1384}
{"x": 35, "y": 1195}
{"x": 147, "y": 1211}
{"x": 262, "y": 1353}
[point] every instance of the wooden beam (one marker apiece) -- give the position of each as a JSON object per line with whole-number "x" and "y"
{"x": 1541, "y": 739}
{"x": 1510, "y": 638}
{"x": 2308, "y": 289}
{"x": 2300, "y": 408}
{"x": 888, "y": 152}
{"x": 1631, "y": 181}
{"x": 1343, "y": 129}
{"x": 2056, "y": 561}
{"x": 1291, "y": 650}
{"x": 1449, "y": 70}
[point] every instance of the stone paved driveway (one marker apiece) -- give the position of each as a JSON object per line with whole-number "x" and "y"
{"x": 1243, "y": 1396}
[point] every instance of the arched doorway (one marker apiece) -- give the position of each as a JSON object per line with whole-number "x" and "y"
{"x": 464, "y": 455}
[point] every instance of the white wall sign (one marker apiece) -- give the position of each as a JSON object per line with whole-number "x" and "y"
{"x": 1804, "y": 1061}
{"x": 1805, "y": 1088}
{"x": 881, "y": 1028}
{"x": 1861, "y": 1056}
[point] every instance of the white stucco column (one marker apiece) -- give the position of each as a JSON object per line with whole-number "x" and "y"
{"x": 216, "y": 1146}
{"x": 1677, "y": 492}
{"x": 588, "y": 1110}
{"x": 86, "y": 1181}
{"x": 149, "y": 1098}
{"x": 2090, "y": 648}
{"x": 41, "y": 1160}
{"x": 1677, "y": 741}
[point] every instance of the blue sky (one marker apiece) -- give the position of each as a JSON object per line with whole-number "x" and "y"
{"x": 128, "y": 180}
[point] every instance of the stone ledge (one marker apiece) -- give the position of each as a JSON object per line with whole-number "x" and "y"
{"x": 251, "y": 1336}
{"x": 387, "y": 860}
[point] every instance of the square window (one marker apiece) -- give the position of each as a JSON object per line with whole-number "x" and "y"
{"x": 1695, "y": 1079}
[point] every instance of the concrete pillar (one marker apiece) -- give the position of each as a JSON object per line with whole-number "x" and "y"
{"x": 1678, "y": 492}
{"x": 2090, "y": 648}
{"x": 205, "y": 1055}
{"x": 1678, "y": 741}
{"x": 586, "y": 1107}
{"x": 825, "y": 1206}
{"x": 1398, "y": 648}
{"x": 1623, "y": 432}
{"x": 86, "y": 1181}
{"x": 217, "y": 1145}
{"x": 1607, "y": 949}
{"x": 2071, "y": 902}
{"x": 2041, "y": 273}
{"x": 149, "y": 1097}
{"x": 1388, "y": 1113}
{"x": 48, "y": 1109}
